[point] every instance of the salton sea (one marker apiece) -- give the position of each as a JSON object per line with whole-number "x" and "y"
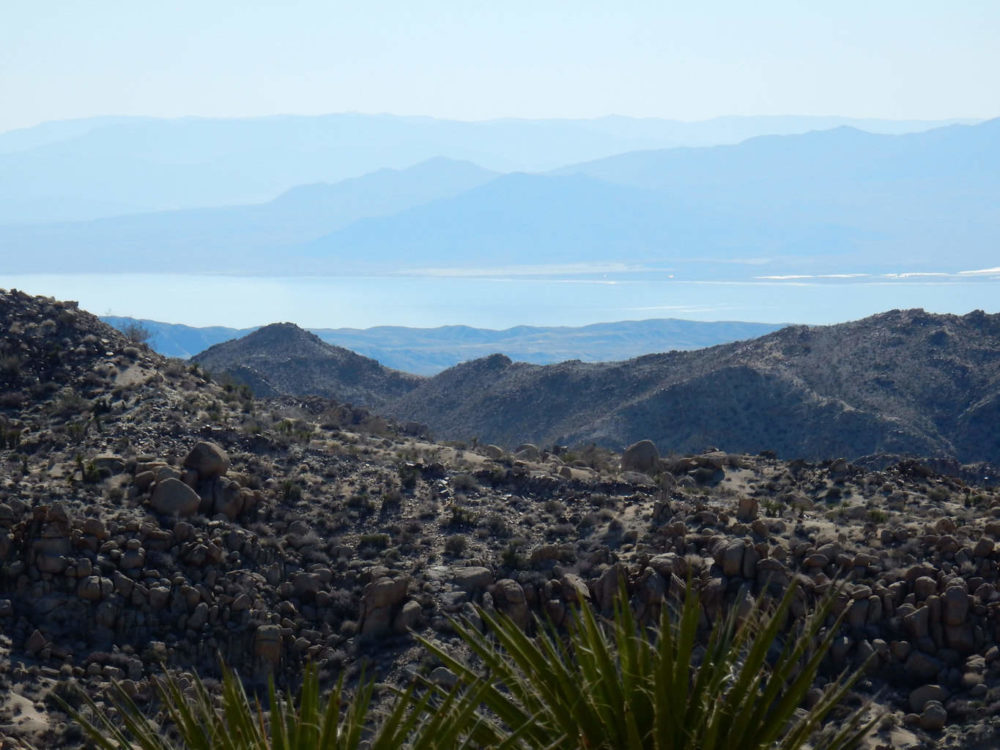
{"x": 497, "y": 302}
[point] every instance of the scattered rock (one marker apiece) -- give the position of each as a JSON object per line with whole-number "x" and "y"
{"x": 208, "y": 460}
{"x": 173, "y": 497}
{"x": 642, "y": 457}
{"x": 933, "y": 717}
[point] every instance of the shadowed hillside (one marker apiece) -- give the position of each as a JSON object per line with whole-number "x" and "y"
{"x": 899, "y": 382}
{"x": 282, "y": 359}
{"x": 902, "y": 382}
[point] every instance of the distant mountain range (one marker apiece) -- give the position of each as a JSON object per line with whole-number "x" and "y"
{"x": 426, "y": 351}
{"x": 833, "y": 202}
{"x": 110, "y": 166}
{"x": 902, "y": 382}
{"x": 249, "y": 237}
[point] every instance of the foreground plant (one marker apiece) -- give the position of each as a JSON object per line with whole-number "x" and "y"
{"x": 614, "y": 685}
{"x": 196, "y": 721}
{"x": 623, "y": 687}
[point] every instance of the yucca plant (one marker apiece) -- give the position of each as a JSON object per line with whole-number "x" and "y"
{"x": 602, "y": 685}
{"x": 621, "y": 686}
{"x": 197, "y": 721}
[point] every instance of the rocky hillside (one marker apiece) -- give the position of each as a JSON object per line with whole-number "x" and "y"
{"x": 150, "y": 517}
{"x": 282, "y": 359}
{"x": 903, "y": 382}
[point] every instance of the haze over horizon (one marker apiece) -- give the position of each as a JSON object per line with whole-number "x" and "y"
{"x": 894, "y": 60}
{"x": 231, "y": 171}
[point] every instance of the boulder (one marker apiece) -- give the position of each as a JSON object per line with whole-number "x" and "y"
{"x": 933, "y": 717}
{"x": 94, "y": 588}
{"x": 732, "y": 558}
{"x": 984, "y": 547}
{"x": 96, "y": 528}
{"x": 227, "y": 499}
{"x": 956, "y": 606}
{"x": 379, "y": 602}
{"x": 748, "y": 509}
{"x": 642, "y": 457}
{"x": 920, "y": 666}
{"x": 267, "y": 645}
{"x": 35, "y": 643}
{"x": 472, "y": 579}
{"x": 924, "y": 586}
{"x": 408, "y": 616}
{"x": 960, "y": 638}
{"x": 917, "y": 623}
{"x": 208, "y": 459}
{"x": 46, "y": 563}
{"x": 919, "y": 697}
{"x": 605, "y": 588}
{"x": 144, "y": 479}
{"x": 109, "y": 465}
{"x": 493, "y": 451}
{"x": 573, "y": 589}
{"x": 528, "y": 452}
{"x": 509, "y": 598}
{"x": 173, "y": 497}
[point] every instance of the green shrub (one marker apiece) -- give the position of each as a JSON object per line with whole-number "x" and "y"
{"x": 621, "y": 686}
{"x": 408, "y": 475}
{"x": 375, "y": 541}
{"x": 456, "y": 545}
{"x": 136, "y": 332}
{"x": 307, "y": 722}
{"x": 460, "y": 516}
{"x": 290, "y": 491}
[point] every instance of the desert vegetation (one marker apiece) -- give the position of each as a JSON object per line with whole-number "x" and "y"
{"x": 153, "y": 520}
{"x": 599, "y": 685}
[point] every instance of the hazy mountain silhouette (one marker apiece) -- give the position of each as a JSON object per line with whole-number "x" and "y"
{"x": 100, "y": 167}
{"x": 247, "y": 237}
{"x": 830, "y": 202}
{"x": 827, "y": 202}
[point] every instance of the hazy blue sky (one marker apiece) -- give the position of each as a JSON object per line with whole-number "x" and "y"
{"x": 472, "y": 59}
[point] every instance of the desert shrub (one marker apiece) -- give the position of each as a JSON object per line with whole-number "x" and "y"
{"x": 938, "y": 494}
{"x": 10, "y": 365}
{"x": 456, "y": 545}
{"x": 408, "y": 475}
{"x": 374, "y": 541}
{"x": 464, "y": 483}
{"x": 69, "y": 403}
{"x": 136, "y": 332}
{"x": 361, "y": 502}
{"x": 392, "y": 501}
{"x": 513, "y": 556}
{"x": 290, "y": 491}
{"x": 459, "y": 516}
{"x": 10, "y": 436}
{"x": 496, "y": 525}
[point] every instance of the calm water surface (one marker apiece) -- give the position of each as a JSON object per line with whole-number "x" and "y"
{"x": 361, "y": 302}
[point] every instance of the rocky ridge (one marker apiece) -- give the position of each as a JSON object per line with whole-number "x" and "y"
{"x": 282, "y": 359}
{"x": 902, "y": 382}
{"x": 149, "y": 516}
{"x": 905, "y": 382}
